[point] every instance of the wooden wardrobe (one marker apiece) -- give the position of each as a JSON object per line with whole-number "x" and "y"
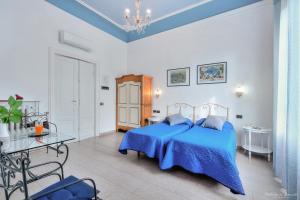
{"x": 134, "y": 101}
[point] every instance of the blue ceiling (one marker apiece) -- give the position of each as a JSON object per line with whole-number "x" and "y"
{"x": 113, "y": 9}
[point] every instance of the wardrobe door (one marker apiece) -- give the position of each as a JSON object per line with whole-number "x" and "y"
{"x": 66, "y": 95}
{"x": 122, "y": 104}
{"x": 87, "y": 109}
{"x": 134, "y": 104}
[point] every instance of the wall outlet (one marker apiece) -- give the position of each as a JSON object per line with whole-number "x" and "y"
{"x": 239, "y": 116}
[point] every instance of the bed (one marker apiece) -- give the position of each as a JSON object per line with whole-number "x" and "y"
{"x": 153, "y": 139}
{"x": 206, "y": 151}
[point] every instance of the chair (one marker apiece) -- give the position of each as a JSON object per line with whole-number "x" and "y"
{"x": 70, "y": 188}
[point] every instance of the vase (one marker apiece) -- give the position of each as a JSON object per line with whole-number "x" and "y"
{"x": 4, "y": 132}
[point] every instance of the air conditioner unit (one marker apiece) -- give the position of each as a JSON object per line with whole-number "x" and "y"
{"x": 74, "y": 41}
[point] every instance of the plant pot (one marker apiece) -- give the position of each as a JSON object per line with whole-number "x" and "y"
{"x": 4, "y": 132}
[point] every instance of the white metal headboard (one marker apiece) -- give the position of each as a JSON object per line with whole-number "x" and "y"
{"x": 184, "y": 109}
{"x": 204, "y": 110}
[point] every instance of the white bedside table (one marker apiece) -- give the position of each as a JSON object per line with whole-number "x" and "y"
{"x": 154, "y": 120}
{"x": 261, "y": 133}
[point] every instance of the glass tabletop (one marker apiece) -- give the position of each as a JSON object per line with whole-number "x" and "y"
{"x": 20, "y": 141}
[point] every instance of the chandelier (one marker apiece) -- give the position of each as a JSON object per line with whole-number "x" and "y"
{"x": 138, "y": 22}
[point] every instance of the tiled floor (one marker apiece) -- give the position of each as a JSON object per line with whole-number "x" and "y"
{"x": 121, "y": 177}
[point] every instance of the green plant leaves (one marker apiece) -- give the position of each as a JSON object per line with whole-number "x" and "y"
{"x": 17, "y": 104}
{"x": 13, "y": 114}
{"x": 4, "y": 114}
{"x": 3, "y": 110}
{"x": 11, "y": 101}
{"x": 16, "y": 115}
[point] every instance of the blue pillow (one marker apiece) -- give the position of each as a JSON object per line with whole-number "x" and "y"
{"x": 200, "y": 122}
{"x": 188, "y": 122}
{"x": 175, "y": 119}
{"x": 214, "y": 122}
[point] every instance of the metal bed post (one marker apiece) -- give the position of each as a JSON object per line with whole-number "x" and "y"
{"x": 139, "y": 154}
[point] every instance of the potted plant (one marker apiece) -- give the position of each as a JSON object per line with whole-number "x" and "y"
{"x": 11, "y": 114}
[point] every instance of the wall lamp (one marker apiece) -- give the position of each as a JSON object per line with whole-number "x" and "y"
{"x": 157, "y": 92}
{"x": 239, "y": 91}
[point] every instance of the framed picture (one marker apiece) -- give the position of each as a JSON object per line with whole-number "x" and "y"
{"x": 178, "y": 77}
{"x": 212, "y": 73}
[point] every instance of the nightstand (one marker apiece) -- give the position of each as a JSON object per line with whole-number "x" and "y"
{"x": 153, "y": 120}
{"x": 263, "y": 135}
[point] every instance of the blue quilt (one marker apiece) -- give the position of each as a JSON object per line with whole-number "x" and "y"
{"x": 152, "y": 140}
{"x": 206, "y": 151}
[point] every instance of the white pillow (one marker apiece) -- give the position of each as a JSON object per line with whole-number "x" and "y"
{"x": 175, "y": 119}
{"x": 214, "y": 122}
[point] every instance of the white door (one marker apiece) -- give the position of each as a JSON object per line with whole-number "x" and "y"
{"x": 86, "y": 100}
{"x": 74, "y": 97}
{"x": 129, "y": 104}
{"x": 65, "y": 111}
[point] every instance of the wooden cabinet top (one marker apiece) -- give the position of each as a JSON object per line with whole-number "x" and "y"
{"x": 132, "y": 77}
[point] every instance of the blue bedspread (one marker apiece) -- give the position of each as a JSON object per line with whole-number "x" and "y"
{"x": 206, "y": 151}
{"x": 152, "y": 140}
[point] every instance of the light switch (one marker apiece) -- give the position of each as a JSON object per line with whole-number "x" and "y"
{"x": 239, "y": 116}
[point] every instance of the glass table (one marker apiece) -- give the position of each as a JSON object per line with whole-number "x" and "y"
{"x": 15, "y": 159}
{"x": 20, "y": 141}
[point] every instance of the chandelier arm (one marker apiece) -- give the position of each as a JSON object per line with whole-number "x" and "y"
{"x": 139, "y": 22}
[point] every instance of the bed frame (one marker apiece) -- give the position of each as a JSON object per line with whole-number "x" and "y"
{"x": 204, "y": 110}
{"x": 195, "y": 113}
{"x": 184, "y": 109}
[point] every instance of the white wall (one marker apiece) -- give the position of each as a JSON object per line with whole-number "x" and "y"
{"x": 242, "y": 37}
{"x": 28, "y": 29}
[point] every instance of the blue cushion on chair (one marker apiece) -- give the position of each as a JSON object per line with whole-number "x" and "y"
{"x": 77, "y": 191}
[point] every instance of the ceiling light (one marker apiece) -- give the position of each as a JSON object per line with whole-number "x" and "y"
{"x": 137, "y": 22}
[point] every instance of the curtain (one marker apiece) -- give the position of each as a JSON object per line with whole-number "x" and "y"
{"x": 286, "y": 121}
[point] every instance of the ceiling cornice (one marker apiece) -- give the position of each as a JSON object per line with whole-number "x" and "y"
{"x": 187, "y": 15}
{"x": 194, "y": 14}
{"x": 77, "y": 9}
{"x": 152, "y": 21}
{"x": 101, "y": 14}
